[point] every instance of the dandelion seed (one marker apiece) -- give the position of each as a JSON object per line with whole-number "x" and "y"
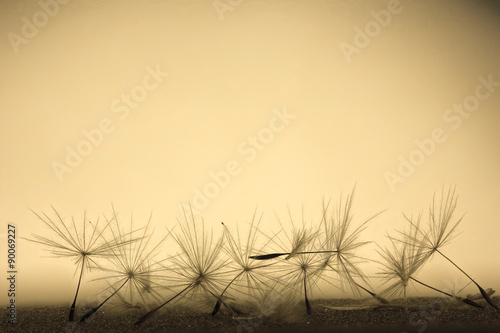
{"x": 442, "y": 229}
{"x": 133, "y": 266}
{"x": 198, "y": 267}
{"x": 81, "y": 243}
{"x": 300, "y": 270}
{"x": 402, "y": 262}
{"x": 341, "y": 243}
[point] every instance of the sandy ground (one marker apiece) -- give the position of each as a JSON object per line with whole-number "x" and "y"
{"x": 423, "y": 315}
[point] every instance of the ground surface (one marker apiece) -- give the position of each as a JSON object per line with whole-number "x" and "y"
{"x": 423, "y": 315}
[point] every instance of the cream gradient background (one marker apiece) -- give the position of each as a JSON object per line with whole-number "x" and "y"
{"x": 227, "y": 73}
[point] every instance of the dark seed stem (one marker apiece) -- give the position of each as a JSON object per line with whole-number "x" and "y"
{"x": 483, "y": 292}
{"x": 378, "y": 298}
{"x": 308, "y": 305}
{"x": 73, "y": 306}
{"x": 219, "y": 300}
{"x": 94, "y": 310}
{"x": 267, "y": 256}
{"x": 275, "y": 255}
{"x": 464, "y": 300}
{"x": 152, "y": 312}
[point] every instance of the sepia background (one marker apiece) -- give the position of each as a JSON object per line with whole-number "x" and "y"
{"x": 236, "y": 105}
